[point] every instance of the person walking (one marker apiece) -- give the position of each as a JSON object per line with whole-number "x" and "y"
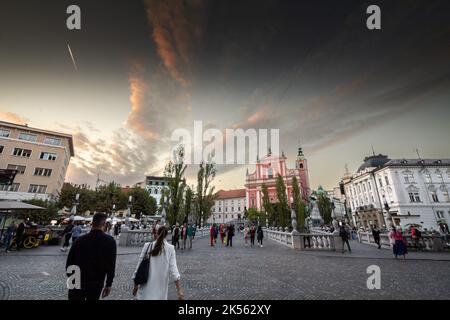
{"x": 212, "y": 235}
{"x": 20, "y": 231}
{"x": 190, "y": 235}
{"x": 95, "y": 256}
{"x": 9, "y": 236}
{"x": 416, "y": 235}
{"x": 222, "y": 233}
{"x": 194, "y": 230}
{"x": 76, "y": 233}
{"x": 252, "y": 235}
{"x": 260, "y": 235}
{"x": 230, "y": 235}
{"x": 183, "y": 236}
{"x": 246, "y": 234}
{"x": 376, "y": 236}
{"x": 399, "y": 248}
{"x": 344, "y": 234}
{"x": 163, "y": 267}
{"x": 116, "y": 230}
{"x": 176, "y": 236}
{"x": 67, "y": 234}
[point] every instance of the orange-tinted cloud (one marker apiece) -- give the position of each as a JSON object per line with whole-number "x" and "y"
{"x": 12, "y": 117}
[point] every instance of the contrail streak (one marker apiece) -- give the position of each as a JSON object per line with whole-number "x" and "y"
{"x": 73, "y": 59}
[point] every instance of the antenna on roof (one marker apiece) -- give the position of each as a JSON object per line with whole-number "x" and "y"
{"x": 373, "y": 151}
{"x": 418, "y": 155}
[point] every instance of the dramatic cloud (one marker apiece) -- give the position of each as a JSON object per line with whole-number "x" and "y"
{"x": 12, "y": 117}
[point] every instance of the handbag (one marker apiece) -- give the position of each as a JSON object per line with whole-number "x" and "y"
{"x": 142, "y": 272}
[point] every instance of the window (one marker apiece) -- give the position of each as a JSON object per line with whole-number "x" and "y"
{"x": 220, "y": 209}
{"x": 446, "y": 196}
{"x": 380, "y": 182}
{"x": 226, "y": 209}
{"x": 52, "y": 141}
{"x": 34, "y": 188}
{"x": 219, "y": 216}
{"x": 364, "y": 187}
{"x": 270, "y": 173}
{"x": 12, "y": 188}
{"x": 428, "y": 178}
{"x": 239, "y": 208}
{"x": 20, "y": 169}
{"x": 440, "y": 214}
{"x": 28, "y": 137}
{"x": 440, "y": 177}
{"x": 434, "y": 196}
{"x": 232, "y": 209}
{"x": 387, "y": 180}
{"x": 4, "y": 133}
{"x": 414, "y": 197}
{"x": 19, "y": 152}
{"x": 48, "y": 156}
{"x": 43, "y": 172}
{"x": 409, "y": 178}
{"x": 370, "y": 186}
{"x": 1, "y": 149}
{"x": 226, "y": 216}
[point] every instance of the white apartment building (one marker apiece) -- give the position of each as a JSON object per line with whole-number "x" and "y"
{"x": 229, "y": 205}
{"x": 416, "y": 191}
{"x": 155, "y": 186}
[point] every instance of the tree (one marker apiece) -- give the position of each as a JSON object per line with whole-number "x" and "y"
{"x": 187, "y": 204}
{"x": 142, "y": 202}
{"x": 324, "y": 205}
{"x": 254, "y": 215}
{"x": 174, "y": 173}
{"x": 205, "y": 192}
{"x": 42, "y": 217}
{"x": 299, "y": 205}
{"x": 267, "y": 205}
{"x": 282, "y": 205}
{"x": 109, "y": 195}
{"x": 66, "y": 199}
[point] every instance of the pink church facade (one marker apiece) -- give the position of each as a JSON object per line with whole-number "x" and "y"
{"x": 266, "y": 173}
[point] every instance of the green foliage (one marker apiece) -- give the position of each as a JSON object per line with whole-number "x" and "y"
{"x": 255, "y": 216}
{"x": 204, "y": 200}
{"x": 268, "y": 206}
{"x": 40, "y": 216}
{"x": 282, "y": 206}
{"x": 109, "y": 195}
{"x": 174, "y": 173}
{"x": 87, "y": 200}
{"x": 299, "y": 205}
{"x": 324, "y": 205}
{"x": 187, "y": 204}
{"x": 142, "y": 202}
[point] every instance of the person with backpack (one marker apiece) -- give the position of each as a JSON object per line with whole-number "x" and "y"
{"x": 230, "y": 235}
{"x": 252, "y": 235}
{"x": 260, "y": 235}
{"x": 67, "y": 234}
{"x": 212, "y": 234}
{"x": 344, "y": 234}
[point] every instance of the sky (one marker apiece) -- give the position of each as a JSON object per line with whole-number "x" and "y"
{"x": 311, "y": 69}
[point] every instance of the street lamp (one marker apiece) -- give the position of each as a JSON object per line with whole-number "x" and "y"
{"x": 388, "y": 218}
{"x": 73, "y": 212}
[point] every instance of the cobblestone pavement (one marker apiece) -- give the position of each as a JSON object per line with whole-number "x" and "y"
{"x": 243, "y": 272}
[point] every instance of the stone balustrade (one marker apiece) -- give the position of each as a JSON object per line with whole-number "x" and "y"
{"x": 428, "y": 242}
{"x": 323, "y": 241}
{"x": 129, "y": 238}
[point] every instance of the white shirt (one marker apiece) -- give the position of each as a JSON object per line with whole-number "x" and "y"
{"x": 162, "y": 269}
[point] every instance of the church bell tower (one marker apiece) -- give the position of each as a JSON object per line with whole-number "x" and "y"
{"x": 301, "y": 164}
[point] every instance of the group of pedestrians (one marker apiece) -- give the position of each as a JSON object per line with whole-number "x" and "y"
{"x": 226, "y": 232}
{"x": 184, "y": 233}
{"x": 251, "y": 232}
{"x": 95, "y": 256}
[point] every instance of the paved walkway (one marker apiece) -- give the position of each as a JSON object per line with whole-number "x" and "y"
{"x": 243, "y": 272}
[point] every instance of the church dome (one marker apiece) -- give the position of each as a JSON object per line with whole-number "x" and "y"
{"x": 374, "y": 161}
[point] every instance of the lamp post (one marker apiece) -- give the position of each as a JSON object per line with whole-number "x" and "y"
{"x": 73, "y": 212}
{"x": 113, "y": 212}
{"x": 294, "y": 219}
{"x": 130, "y": 204}
{"x": 388, "y": 218}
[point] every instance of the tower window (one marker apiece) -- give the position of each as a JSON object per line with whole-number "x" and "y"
{"x": 301, "y": 165}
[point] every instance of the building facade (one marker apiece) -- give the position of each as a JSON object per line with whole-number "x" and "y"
{"x": 40, "y": 157}
{"x": 415, "y": 191}
{"x": 229, "y": 205}
{"x": 155, "y": 186}
{"x": 266, "y": 173}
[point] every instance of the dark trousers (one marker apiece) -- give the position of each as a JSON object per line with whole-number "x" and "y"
{"x": 252, "y": 240}
{"x": 88, "y": 293}
{"x": 230, "y": 241}
{"x": 66, "y": 240}
{"x": 19, "y": 241}
{"x": 345, "y": 241}
{"x": 377, "y": 241}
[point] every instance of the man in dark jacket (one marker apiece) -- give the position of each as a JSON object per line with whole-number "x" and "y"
{"x": 376, "y": 236}
{"x": 344, "y": 233}
{"x": 95, "y": 255}
{"x": 20, "y": 235}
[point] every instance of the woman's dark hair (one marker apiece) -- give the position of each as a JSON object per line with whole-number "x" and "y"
{"x": 159, "y": 245}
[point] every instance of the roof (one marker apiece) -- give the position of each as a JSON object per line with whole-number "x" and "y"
{"x": 374, "y": 161}
{"x": 228, "y": 194}
{"x": 417, "y": 162}
{"x": 53, "y": 133}
{"x": 17, "y": 205}
{"x": 156, "y": 178}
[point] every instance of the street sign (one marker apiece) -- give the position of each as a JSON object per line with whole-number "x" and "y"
{"x": 7, "y": 176}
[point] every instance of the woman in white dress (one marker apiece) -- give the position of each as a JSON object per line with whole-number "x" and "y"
{"x": 163, "y": 268}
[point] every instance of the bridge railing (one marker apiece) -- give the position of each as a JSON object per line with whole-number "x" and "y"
{"x": 427, "y": 242}
{"x": 130, "y": 238}
{"x": 323, "y": 241}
